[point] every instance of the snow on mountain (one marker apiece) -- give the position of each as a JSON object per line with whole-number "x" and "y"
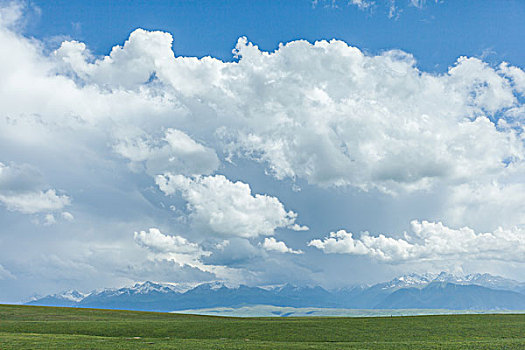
{"x": 270, "y": 287}
{"x": 412, "y": 280}
{"x": 148, "y": 287}
{"x": 215, "y": 285}
{"x": 72, "y": 295}
{"x": 473, "y": 290}
{"x": 141, "y": 288}
{"x": 180, "y": 287}
{"x": 484, "y": 280}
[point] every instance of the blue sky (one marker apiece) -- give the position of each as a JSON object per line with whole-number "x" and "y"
{"x": 127, "y": 154}
{"x": 436, "y": 33}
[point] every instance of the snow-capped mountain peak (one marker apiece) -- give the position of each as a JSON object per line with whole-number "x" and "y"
{"x": 149, "y": 287}
{"x": 72, "y": 295}
{"x": 412, "y": 280}
{"x": 498, "y": 292}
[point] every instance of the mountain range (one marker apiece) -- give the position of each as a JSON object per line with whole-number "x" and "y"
{"x": 427, "y": 291}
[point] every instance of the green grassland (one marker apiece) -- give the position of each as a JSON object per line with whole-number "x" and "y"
{"x": 33, "y": 327}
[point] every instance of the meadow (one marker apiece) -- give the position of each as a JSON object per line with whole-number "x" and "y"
{"x": 35, "y": 327}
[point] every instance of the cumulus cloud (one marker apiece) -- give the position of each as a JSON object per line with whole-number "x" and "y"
{"x": 429, "y": 241}
{"x": 127, "y": 66}
{"x": 219, "y": 206}
{"x": 179, "y": 250}
{"x": 297, "y": 227}
{"x": 271, "y": 244}
{"x": 322, "y": 113}
{"x": 19, "y": 191}
{"x": 338, "y": 118}
{"x": 176, "y": 152}
{"x": 516, "y": 75}
{"x": 160, "y": 243}
{"x": 376, "y": 122}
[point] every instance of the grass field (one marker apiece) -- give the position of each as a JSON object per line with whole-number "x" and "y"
{"x": 33, "y": 327}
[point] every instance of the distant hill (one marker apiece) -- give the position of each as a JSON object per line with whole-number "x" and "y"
{"x": 441, "y": 291}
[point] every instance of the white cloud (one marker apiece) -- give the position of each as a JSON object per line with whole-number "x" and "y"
{"x": 158, "y": 242}
{"x": 487, "y": 204}
{"x": 67, "y": 216}
{"x": 323, "y": 113}
{"x": 219, "y": 206}
{"x": 19, "y": 191}
{"x": 516, "y": 74}
{"x": 11, "y": 13}
{"x": 361, "y": 4}
{"x": 49, "y": 220}
{"x": 338, "y": 118}
{"x": 394, "y": 128}
{"x": 182, "y": 252}
{"x": 430, "y": 241}
{"x": 172, "y": 248}
{"x": 127, "y": 66}
{"x": 297, "y": 227}
{"x": 176, "y": 152}
{"x": 271, "y": 244}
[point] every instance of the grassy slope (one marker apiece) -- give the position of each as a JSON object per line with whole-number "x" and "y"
{"x": 62, "y": 328}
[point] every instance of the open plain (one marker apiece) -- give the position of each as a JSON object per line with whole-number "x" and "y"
{"x": 32, "y": 327}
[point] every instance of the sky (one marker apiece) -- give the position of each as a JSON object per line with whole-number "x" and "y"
{"x": 327, "y": 143}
